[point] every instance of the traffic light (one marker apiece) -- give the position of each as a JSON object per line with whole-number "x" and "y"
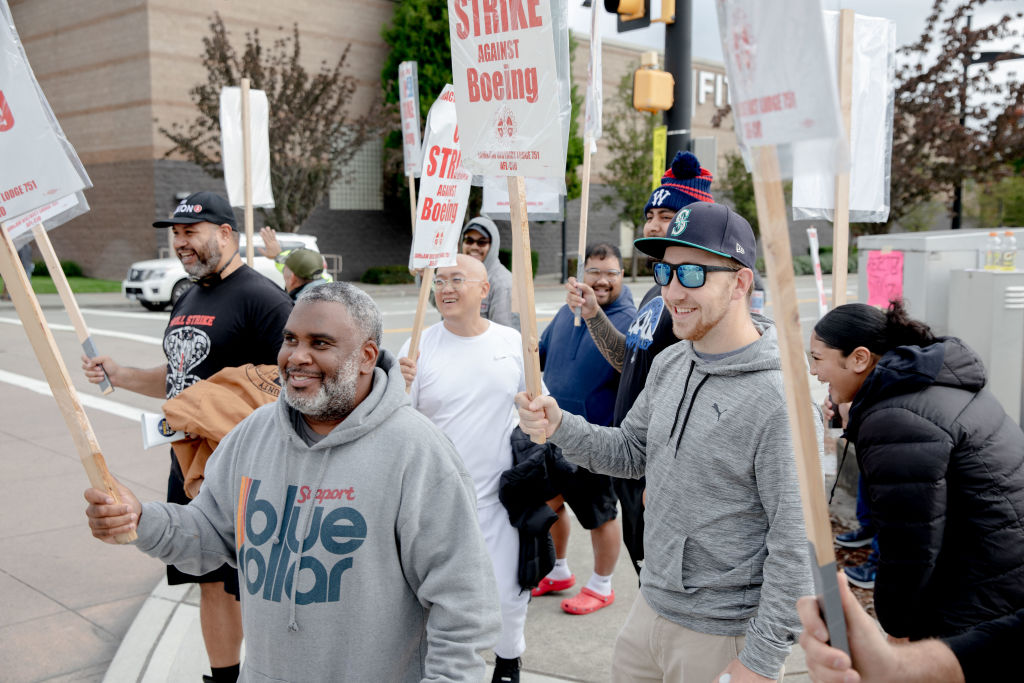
{"x": 652, "y": 88}
{"x": 632, "y": 13}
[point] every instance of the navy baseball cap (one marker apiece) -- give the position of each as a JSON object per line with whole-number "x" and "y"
{"x": 712, "y": 227}
{"x": 199, "y": 207}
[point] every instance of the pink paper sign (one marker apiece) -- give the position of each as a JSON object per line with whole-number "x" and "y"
{"x": 885, "y": 277}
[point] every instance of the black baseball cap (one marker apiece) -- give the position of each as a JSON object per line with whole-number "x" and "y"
{"x": 712, "y": 227}
{"x": 199, "y": 207}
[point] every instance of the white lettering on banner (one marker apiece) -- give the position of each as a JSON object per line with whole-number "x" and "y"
{"x": 444, "y": 188}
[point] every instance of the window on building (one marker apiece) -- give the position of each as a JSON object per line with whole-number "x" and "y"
{"x": 359, "y": 187}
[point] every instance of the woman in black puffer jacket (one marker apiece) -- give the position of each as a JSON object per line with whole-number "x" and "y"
{"x": 944, "y": 466}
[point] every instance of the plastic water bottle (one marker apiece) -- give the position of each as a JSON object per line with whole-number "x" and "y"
{"x": 993, "y": 252}
{"x": 1009, "y": 260}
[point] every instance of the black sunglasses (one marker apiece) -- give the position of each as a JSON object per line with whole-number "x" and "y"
{"x": 690, "y": 275}
{"x": 482, "y": 241}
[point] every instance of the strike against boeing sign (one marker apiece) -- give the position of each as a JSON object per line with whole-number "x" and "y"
{"x": 506, "y": 85}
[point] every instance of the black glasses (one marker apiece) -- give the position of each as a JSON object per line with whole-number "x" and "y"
{"x": 690, "y": 275}
{"x": 482, "y": 241}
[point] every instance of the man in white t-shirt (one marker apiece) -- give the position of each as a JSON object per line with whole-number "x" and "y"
{"x": 469, "y": 370}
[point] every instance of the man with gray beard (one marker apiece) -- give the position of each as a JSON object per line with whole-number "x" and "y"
{"x": 233, "y": 316}
{"x": 348, "y": 514}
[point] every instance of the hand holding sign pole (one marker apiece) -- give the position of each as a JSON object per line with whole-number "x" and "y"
{"x": 781, "y": 98}
{"x": 592, "y": 131}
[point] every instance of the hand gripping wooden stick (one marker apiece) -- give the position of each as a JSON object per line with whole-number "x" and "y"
{"x": 68, "y": 297}
{"x": 45, "y": 348}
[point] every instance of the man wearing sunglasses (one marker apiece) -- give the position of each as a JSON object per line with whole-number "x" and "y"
{"x": 480, "y": 239}
{"x": 631, "y": 352}
{"x": 725, "y": 546}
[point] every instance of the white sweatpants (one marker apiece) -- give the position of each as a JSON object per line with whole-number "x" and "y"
{"x": 502, "y": 540}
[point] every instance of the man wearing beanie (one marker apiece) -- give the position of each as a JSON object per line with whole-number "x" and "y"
{"x": 233, "y": 316}
{"x": 480, "y": 239}
{"x": 632, "y": 353}
{"x": 726, "y": 551}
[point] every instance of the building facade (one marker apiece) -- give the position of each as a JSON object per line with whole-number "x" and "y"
{"x": 117, "y": 71}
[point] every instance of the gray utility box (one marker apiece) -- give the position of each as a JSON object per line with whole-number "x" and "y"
{"x": 986, "y": 310}
{"x": 928, "y": 259}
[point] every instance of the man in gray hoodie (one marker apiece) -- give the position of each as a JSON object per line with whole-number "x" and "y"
{"x": 726, "y": 552}
{"x": 480, "y": 239}
{"x": 348, "y": 514}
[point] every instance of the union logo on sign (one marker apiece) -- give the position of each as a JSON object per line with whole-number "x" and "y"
{"x": 6, "y": 117}
{"x": 438, "y": 238}
{"x": 742, "y": 43}
{"x": 505, "y": 125}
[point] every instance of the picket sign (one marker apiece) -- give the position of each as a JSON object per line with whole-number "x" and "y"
{"x": 812, "y": 246}
{"x": 45, "y": 348}
{"x": 247, "y": 173}
{"x": 68, "y": 298}
{"x": 426, "y": 280}
{"x": 409, "y": 111}
{"x": 841, "y": 218}
{"x": 782, "y": 99}
{"x": 412, "y": 201}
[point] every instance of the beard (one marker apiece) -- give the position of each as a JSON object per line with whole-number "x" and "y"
{"x": 207, "y": 260}
{"x": 335, "y": 398}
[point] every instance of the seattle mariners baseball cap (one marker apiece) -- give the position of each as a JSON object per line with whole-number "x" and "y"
{"x": 199, "y": 207}
{"x": 712, "y": 227}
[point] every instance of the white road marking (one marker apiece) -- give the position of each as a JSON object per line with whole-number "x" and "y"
{"x": 106, "y": 405}
{"x": 95, "y": 332}
{"x": 144, "y": 315}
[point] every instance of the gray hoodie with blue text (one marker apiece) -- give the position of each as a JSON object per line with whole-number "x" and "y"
{"x": 726, "y": 552}
{"x": 360, "y": 557}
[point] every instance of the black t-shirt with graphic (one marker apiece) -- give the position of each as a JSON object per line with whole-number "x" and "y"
{"x": 648, "y": 334}
{"x": 236, "y": 321}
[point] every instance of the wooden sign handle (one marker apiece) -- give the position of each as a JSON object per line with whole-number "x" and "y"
{"x": 581, "y": 248}
{"x": 427, "y": 280}
{"x": 45, "y": 348}
{"x": 841, "y": 214}
{"x": 523, "y": 280}
{"x": 68, "y": 298}
{"x": 247, "y": 173}
{"x": 412, "y": 201}
{"x": 771, "y": 212}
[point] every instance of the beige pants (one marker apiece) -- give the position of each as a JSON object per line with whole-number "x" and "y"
{"x": 651, "y": 648}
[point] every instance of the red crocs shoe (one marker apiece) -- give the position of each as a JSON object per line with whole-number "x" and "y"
{"x": 553, "y": 585}
{"x": 587, "y": 601}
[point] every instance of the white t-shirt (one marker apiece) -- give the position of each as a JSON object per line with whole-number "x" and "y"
{"x": 467, "y": 387}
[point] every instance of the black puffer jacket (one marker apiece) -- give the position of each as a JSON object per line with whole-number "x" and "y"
{"x": 944, "y": 466}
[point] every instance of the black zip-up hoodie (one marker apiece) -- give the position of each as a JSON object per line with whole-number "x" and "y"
{"x": 944, "y": 466}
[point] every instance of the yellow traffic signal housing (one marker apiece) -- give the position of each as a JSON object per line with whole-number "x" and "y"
{"x": 652, "y": 90}
{"x": 628, "y": 10}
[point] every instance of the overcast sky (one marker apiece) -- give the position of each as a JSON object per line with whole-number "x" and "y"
{"x": 909, "y": 16}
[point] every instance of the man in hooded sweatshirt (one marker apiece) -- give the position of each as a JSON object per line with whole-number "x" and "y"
{"x": 480, "y": 239}
{"x": 726, "y": 552}
{"x": 348, "y": 514}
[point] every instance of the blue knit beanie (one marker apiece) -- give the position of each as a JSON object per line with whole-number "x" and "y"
{"x": 684, "y": 182}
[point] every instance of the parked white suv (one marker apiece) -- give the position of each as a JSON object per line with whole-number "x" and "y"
{"x": 159, "y": 282}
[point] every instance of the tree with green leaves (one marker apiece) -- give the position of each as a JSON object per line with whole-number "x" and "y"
{"x": 312, "y": 132}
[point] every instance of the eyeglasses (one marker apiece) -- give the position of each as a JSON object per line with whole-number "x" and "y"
{"x": 482, "y": 241}
{"x": 456, "y": 282}
{"x": 690, "y": 275}
{"x": 611, "y": 273}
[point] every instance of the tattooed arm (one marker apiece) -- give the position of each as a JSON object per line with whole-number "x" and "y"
{"x": 609, "y": 341}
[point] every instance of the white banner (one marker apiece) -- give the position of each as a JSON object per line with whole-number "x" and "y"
{"x": 507, "y": 86}
{"x": 444, "y": 188}
{"x": 409, "y": 105}
{"x": 37, "y": 163}
{"x": 543, "y": 198}
{"x": 871, "y": 112}
{"x": 782, "y": 84}
{"x": 592, "y": 119}
{"x": 259, "y": 141}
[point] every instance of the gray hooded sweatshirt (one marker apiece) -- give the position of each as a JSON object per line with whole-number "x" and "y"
{"x": 497, "y": 307}
{"x": 393, "y": 582}
{"x": 726, "y": 552}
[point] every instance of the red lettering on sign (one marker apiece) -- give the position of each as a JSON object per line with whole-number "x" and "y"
{"x": 6, "y": 117}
